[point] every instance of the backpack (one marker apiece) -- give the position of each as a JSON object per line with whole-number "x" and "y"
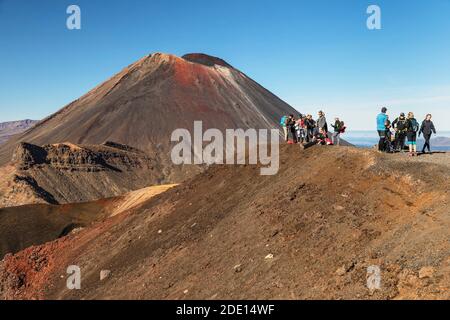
{"x": 283, "y": 121}
{"x": 414, "y": 125}
{"x": 401, "y": 125}
{"x": 388, "y": 147}
{"x": 343, "y": 129}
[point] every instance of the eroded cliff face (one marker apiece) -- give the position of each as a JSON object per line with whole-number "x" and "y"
{"x": 67, "y": 172}
{"x": 72, "y": 157}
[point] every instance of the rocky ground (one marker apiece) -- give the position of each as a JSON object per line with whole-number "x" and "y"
{"x": 309, "y": 232}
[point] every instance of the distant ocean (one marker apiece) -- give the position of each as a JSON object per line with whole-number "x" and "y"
{"x": 367, "y": 139}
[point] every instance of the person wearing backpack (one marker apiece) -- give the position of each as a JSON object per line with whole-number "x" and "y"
{"x": 310, "y": 128}
{"x": 381, "y": 128}
{"x": 283, "y": 125}
{"x": 389, "y": 148}
{"x": 337, "y": 126}
{"x": 411, "y": 133}
{"x": 290, "y": 127}
{"x": 427, "y": 129}
{"x": 400, "y": 127}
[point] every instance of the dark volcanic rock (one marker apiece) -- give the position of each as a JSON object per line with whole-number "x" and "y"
{"x": 66, "y": 172}
{"x": 27, "y": 155}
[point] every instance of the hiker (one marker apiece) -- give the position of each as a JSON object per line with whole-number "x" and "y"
{"x": 388, "y": 147}
{"x": 285, "y": 129}
{"x": 300, "y": 129}
{"x": 338, "y": 127}
{"x": 290, "y": 125}
{"x": 320, "y": 137}
{"x": 400, "y": 128}
{"x": 411, "y": 134}
{"x": 381, "y": 128}
{"x": 310, "y": 127}
{"x": 322, "y": 122}
{"x": 427, "y": 128}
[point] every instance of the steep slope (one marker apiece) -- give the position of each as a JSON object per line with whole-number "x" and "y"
{"x": 311, "y": 231}
{"x": 8, "y": 129}
{"x": 66, "y": 173}
{"x": 143, "y": 104}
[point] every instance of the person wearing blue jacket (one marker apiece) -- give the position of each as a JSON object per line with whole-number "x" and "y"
{"x": 381, "y": 128}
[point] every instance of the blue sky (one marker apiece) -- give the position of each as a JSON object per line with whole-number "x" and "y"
{"x": 314, "y": 54}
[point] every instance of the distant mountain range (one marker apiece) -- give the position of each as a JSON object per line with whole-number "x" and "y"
{"x": 441, "y": 142}
{"x": 8, "y": 129}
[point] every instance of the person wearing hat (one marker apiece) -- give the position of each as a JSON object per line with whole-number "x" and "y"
{"x": 401, "y": 128}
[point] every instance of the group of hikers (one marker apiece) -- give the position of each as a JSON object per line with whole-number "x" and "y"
{"x": 393, "y": 135}
{"x": 307, "y": 132}
{"x": 404, "y": 127}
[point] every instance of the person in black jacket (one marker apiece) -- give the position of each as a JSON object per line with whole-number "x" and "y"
{"x": 310, "y": 126}
{"x": 427, "y": 129}
{"x": 411, "y": 133}
{"x": 400, "y": 127}
{"x": 290, "y": 125}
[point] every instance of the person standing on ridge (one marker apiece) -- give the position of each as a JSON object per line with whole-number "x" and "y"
{"x": 283, "y": 125}
{"x": 400, "y": 128}
{"x": 290, "y": 125}
{"x": 338, "y": 126}
{"x": 322, "y": 123}
{"x": 427, "y": 129}
{"x": 381, "y": 128}
{"x": 310, "y": 127}
{"x": 388, "y": 141}
{"x": 411, "y": 133}
{"x": 300, "y": 129}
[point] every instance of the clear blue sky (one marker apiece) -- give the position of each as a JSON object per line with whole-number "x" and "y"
{"x": 314, "y": 54}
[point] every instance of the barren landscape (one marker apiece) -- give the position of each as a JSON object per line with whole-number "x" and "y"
{"x": 93, "y": 186}
{"x": 309, "y": 232}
